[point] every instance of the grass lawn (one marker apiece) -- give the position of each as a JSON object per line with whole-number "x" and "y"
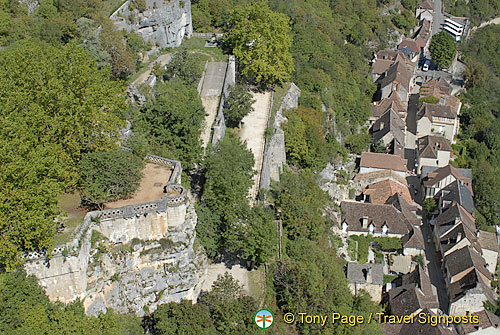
{"x": 72, "y": 215}
{"x": 256, "y": 283}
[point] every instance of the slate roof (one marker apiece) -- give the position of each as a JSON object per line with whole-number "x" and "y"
{"x": 436, "y": 110}
{"x": 428, "y": 146}
{"x": 486, "y": 320}
{"x": 390, "y": 122}
{"x": 432, "y": 177}
{"x": 357, "y": 273}
{"x": 378, "y": 215}
{"x": 397, "y": 73}
{"x": 430, "y": 170}
{"x": 459, "y": 193}
{"x": 382, "y": 161}
{"x": 464, "y": 259}
{"x": 392, "y": 102}
{"x": 381, "y": 191}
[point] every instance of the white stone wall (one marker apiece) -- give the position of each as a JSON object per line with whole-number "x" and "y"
{"x": 469, "y": 303}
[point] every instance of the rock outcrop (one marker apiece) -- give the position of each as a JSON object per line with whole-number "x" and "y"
{"x": 275, "y": 154}
{"x": 162, "y": 22}
{"x": 140, "y": 275}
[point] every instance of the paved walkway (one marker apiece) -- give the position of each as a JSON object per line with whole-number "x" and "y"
{"x": 434, "y": 268}
{"x": 162, "y": 59}
{"x": 210, "y": 95}
{"x": 239, "y": 273}
{"x": 253, "y": 132}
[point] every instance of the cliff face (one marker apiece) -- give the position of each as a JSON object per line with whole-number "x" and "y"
{"x": 140, "y": 275}
{"x": 163, "y": 22}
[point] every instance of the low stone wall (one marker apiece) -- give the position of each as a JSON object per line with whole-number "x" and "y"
{"x": 208, "y": 35}
{"x": 229, "y": 80}
{"x": 275, "y": 154}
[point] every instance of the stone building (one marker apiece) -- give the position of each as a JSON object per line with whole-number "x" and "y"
{"x": 366, "y": 276}
{"x": 433, "y": 151}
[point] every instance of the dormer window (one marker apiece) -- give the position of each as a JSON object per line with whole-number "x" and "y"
{"x": 385, "y": 228}
{"x": 371, "y": 228}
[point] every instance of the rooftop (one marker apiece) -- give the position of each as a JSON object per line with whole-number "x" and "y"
{"x": 486, "y": 320}
{"x": 428, "y": 146}
{"x": 381, "y": 191}
{"x": 383, "y": 161}
{"x": 488, "y": 240}
{"x": 360, "y": 273}
{"x": 151, "y": 187}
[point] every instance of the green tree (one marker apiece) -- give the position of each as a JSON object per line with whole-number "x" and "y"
{"x": 429, "y": 205}
{"x": 173, "y": 121}
{"x": 183, "y": 318}
{"x": 185, "y": 66}
{"x": 108, "y": 176}
{"x": 442, "y": 49}
{"x": 55, "y": 106}
{"x": 261, "y": 40}
{"x": 228, "y": 180}
{"x": 238, "y": 105}
{"x": 300, "y": 202}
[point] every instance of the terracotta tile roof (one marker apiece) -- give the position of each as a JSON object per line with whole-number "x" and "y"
{"x": 379, "y": 215}
{"x": 381, "y": 65}
{"x": 441, "y": 173}
{"x": 405, "y": 208}
{"x": 420, "y": 279}
{"x": 410, "y": 44}
{"x": 423, "y": 34}
{"x": 417, "y": 328}
{"x": 486, "y": 320}
{"x": 408, "y": 299}
{"x": 428, "y": 146}
{"x": 383, "y": 161}
{"x": 375, "y": 176}
{"x": 381, "y": 191}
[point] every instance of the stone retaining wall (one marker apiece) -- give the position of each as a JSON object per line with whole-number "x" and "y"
{"x": 229, "y": 80}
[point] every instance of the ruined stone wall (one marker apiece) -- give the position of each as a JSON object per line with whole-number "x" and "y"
{"x": 229, "y": 80}
{"x": 146, "y": 255}
{"x": 164, "y": 22}
{"x": 275, "y": 154}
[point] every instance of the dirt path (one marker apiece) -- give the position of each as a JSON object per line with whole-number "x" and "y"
{"x": 210, "y": 105}
{"x": 163, "y": 59}
{"x": 253, "y": 132}
{"x": 238, "y": 273}
{"x": 487, "y": 23}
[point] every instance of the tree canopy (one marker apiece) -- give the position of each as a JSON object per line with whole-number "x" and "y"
{"x": 108, "y": 176}
{"x": 55, "y": 106}
{"x": 238, "y": 105}
{"x": 261, "y": 39}
{"x": 442, "y": 49}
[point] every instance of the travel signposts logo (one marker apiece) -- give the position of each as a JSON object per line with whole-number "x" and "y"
{"x": 263, "y": 319}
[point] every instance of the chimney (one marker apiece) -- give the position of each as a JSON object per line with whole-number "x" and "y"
{"x": 459, "y": 237}
{"x": 365, "y": 222}
{"x": 369, "y": 275}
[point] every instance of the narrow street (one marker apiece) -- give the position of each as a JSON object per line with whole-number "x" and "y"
{"x": 435, "y": 273}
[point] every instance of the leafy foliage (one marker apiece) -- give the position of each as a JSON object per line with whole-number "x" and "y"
{"x": 261, "y": 40}
{"x": 238, "y": 105}
{"x": 301, "y": 203}
{"x": 173, "y": 120}
{"x": 185, "y": 66}
{"x": 25, "y": 309}
{"x": 55, "y": 107}
{"x": 429, "y": 205}
{"x": 108, "y": 176}
{"x": 442, "y": 49}
{"x": 480, "y": 126}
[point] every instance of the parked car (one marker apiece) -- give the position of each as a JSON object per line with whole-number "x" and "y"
{"x": 426, "y": 65}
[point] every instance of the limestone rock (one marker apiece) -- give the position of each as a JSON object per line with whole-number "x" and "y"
{"x": 164, "y": 23}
